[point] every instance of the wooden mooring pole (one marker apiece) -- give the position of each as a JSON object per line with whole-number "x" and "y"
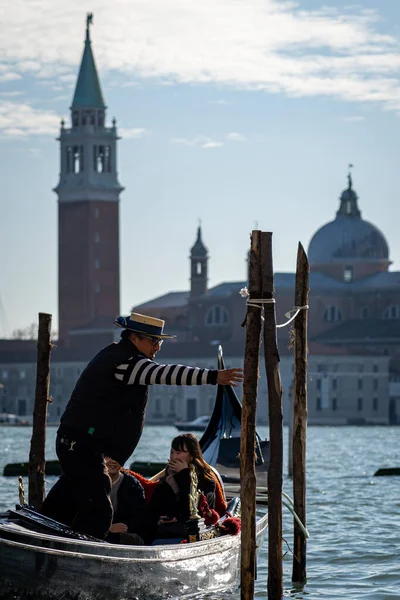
{"x": 275, "y": 470}
{"x": 248, "y": 428}
{"x": 37, "y": 461}
{"x": 299, "y": 574}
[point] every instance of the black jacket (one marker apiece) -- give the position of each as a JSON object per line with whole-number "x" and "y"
{"x": 109, "y": 401}
{"x": 104, "y": 407}
{"x": 164, "y": 501}
{"x": 131, "y": 505}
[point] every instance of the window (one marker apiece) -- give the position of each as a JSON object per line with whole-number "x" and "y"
{"x": 334, "y": 384}
{"x": 74, "y": 159}
{"x": 334, "y": 403}
{"x": 75, "y": 118}
{"x": 376, "y": 368}
{"x": 376, "y": 385}
{"x": 100, "y": 118}
{"x": 348, "y": 274}
{"x": 318, "y": 384}
{"x": 364, "y": 312}
{"x": 359, "y": 404}
{"x": 392, "y": 312}
{"x": 332, "y": 313}
{"x": 88, "y": 118}
{"x": 97, "y": 288}
{"x": 318, "y": 404}
{"x": 22, "y": 374}
{"x": 198, "y": 268}
{"x": 375, "y": 404}
{"x": 102, "y": 159}
{"x": 96, "y": 263}
{"x": 217, "y": 315}
{"x": 360, "y": 384}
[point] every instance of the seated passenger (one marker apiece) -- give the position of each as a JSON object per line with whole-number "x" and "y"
{"x": 129, "y": 506}
{"x": 169, "y": 504}
{"x": 127, "y": 499}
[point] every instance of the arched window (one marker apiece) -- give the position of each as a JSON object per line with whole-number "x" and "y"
{"x": 102, "y": 159}
{"x": 332, "y": 314}
{"x": 217, "y": 315}
{"x": 348, "y": 274}
{"x": 392, "y": 312}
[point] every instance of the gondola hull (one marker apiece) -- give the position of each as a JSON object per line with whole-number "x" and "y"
{"x": 47, "y": 567}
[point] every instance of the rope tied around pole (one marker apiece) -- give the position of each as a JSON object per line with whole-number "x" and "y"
{"x": 259, "y": 303}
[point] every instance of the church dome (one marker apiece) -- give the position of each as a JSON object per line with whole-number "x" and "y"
{"x": 348, "y": 237}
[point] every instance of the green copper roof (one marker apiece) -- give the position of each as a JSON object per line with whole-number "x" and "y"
{"x": 88, "y": 91}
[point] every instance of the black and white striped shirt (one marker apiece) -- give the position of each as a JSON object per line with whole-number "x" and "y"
{"x": 143, "y": 371}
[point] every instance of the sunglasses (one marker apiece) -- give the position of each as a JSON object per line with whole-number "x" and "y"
{"x": 154, "y": 341}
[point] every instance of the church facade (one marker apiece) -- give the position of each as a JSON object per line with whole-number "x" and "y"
{"x": 354, "y": 298}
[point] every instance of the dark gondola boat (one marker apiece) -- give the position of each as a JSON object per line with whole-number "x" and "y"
{"x": 43, "y": 559}
{"x": 220, "y": 442}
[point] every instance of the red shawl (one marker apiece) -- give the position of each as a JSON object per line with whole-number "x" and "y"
{"x": 149, "y": 486}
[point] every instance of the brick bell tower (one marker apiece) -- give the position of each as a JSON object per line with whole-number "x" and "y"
{"x": 88, "y": 210}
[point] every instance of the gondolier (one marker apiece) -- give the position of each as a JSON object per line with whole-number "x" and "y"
{"x": 106, "y": 411}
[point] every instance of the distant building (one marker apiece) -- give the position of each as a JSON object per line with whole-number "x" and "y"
{"x": 354, "y": 302}
{"x": 344, "y": 388}
{"x": 354, "y": 314}
{"x": 88, "y": 215}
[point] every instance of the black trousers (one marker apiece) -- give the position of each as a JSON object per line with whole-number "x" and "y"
{"x": 81, "y": 496}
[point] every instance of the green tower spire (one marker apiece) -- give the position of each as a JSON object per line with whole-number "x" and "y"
{"x": 88, "y": 91}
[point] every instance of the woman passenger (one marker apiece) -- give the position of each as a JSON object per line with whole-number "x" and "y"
{"x": 169, "y": 505}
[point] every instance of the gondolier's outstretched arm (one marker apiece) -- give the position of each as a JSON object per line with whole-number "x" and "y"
{"x": 143, "y": 371}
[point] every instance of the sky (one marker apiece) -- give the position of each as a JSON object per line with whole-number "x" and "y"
{"x": 240, "y": 113}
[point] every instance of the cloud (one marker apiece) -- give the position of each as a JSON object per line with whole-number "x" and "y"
{"x": 10, "y": 94}
{"x": 136, "y": 132}
{"x": 235, "y": 137}
{"x": 355, "y": 119}
{"x": 205, "y": 142}
{"x": 266, "y": 45}
{"x": 9, "y": 76}
{"x": 201, "y": 141}
{"x": 221, "y": 102}
{"x": 21, "y": 120}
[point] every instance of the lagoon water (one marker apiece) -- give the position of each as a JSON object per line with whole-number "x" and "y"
{"x": 353, "y": 517}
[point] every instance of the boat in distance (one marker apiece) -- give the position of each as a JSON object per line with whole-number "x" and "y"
{"x": 199, "y": 424}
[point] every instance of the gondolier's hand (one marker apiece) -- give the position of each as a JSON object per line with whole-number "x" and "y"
{"x": 166, "y": 519}
{"x": 119, "y": 528}
{"x": 230, "y": 377}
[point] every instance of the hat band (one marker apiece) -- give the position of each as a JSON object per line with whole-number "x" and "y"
{"x": 144, "y": 327}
